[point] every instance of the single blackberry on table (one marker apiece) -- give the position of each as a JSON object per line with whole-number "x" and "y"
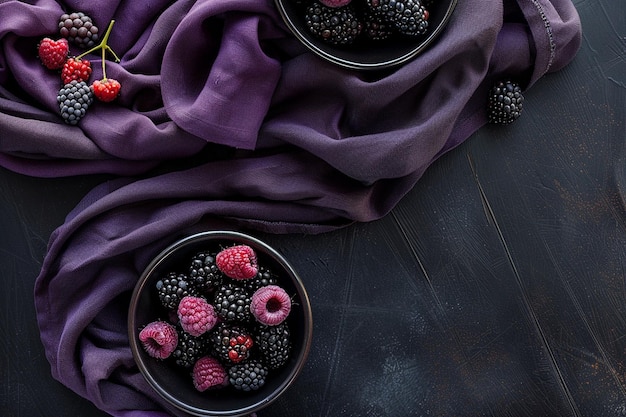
{"x": 74, "y": 99}
{"x": 204, "y": 273}
{"x": 409, "y": 17}
{"x": 505, "y": 102}
{"x": 263, "y": 278}
{"x": 248, "y": 376}
{"x": 274, "y": 344}
{"x": 172, "y": 288}
{"x": 189, "y": 348}
{"x": 79, "y": 29}
{"x": 230, "y": 343}
{"x": 232, "y": 303}
{"x": 335, "y": 25}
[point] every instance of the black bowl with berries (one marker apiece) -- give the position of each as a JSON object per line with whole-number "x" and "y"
{"x": 220, "y": 324}
{"x": 366, "y": 34}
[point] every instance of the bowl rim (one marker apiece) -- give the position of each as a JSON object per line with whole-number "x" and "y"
{"x": 237, "y": 237}
{"x": 304, "y": 39}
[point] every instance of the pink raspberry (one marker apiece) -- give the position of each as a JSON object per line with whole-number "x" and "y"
{"x": 270, "y": 305}
{"x": 237, "y": 262}
{"x": 196, "y": 315}
{"x": 335, "y": 3}
{"x": 208, "y": 373}
{"x": 159, "y": 339}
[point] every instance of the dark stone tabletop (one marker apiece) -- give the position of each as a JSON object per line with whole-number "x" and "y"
{"x": 495, "y": 288}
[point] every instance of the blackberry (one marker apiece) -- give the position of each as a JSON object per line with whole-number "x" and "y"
{"x": 409, "y": 17}
{"x": 173, "y": 288}
{"x": 74, "y": 99}
{"x": 231, "y": 344}
{"x": 204, "y": 273}
{"x": 232, "y": 303}
{"x": 335, "y": 25}
{"x": 247, "y": 376}
{"x": 505, "y": 102}
{"x": 263, "y": 278}
{"x": 78, "y": 28}
{"x": 274, "y": 344}
{"x": 375, "y": 27}
{"x": 189, "y": 348}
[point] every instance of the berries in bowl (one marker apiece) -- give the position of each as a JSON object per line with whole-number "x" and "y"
{"x": 220, "y": 324}
{"x": 366, "y": 34}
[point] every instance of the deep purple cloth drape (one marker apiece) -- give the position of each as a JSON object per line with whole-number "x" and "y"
{"x": 318, "y": 146}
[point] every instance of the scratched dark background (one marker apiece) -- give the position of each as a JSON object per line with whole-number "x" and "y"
{"x": 496, "y": 288}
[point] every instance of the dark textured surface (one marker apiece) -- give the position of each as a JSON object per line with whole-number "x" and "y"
{"x": 496, "y": 287}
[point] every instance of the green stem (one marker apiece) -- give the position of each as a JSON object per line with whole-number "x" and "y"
{"x": 104, "y": 70}
{"x": 102, "y": 45}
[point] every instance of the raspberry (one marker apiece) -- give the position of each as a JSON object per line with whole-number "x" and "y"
{"x": 106, "y": 89}
{"x": 237, "y": 262}
{"x": 79, "y": 29}
{"x": 53, "y": 54}
{"x": 248, "y": 376}
{"x": 75, "y": 69}
{"x": 159, "y": 339}
{"x": 196, "y": 315}
{"x": 270, "y": 305}
{"x": 74, "y": 99}
{"x": 209, "y": 373}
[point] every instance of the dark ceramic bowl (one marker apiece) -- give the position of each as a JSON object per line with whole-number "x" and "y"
{"x": 174, "y": 384}
{"x": 368, "y": 55}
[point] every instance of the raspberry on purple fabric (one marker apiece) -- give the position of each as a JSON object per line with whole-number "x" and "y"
{"x": 208, "y": 373}
{"x": 159, "y": 339}
{"x": 237, "y": 262}
{"x": 196, "y": 315}
{"x": 270, "y": 305}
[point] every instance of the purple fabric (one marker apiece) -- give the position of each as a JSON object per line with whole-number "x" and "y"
{"x": 318, "y": 146}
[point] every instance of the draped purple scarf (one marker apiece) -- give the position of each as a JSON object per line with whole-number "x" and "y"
{"x": 312, "y": 146}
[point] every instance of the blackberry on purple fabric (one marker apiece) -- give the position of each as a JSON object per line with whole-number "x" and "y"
{"x": 74, "y": 99}
{"x": 506, "y": 102}
{"x": 78, "y": 29}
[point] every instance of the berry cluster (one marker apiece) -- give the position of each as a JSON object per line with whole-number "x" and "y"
{"x": 506, "y": 102}
{"x": 79, "y": 30}
{"x": 345, "y": 22}
{"x": 225, "y": 320}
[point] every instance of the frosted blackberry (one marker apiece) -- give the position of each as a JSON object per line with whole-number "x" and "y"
{"x": 231, "y": 343}
{"x": 189, "y": 349}
{"x": 172, "y": 288}
{"x": 232, "y": 303}
{"x": 274, "y": 343}
{"x": 74, "y": 99}
{"x": 263, "y": 278}
{"x": 79, "y": 29}
{"x": 409, "y": 17}
{"x": 335, "y": 25}
{"x": 505, "y": 102}
{"x": 247, "y": 376}
{"x": 204, "y": 273}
